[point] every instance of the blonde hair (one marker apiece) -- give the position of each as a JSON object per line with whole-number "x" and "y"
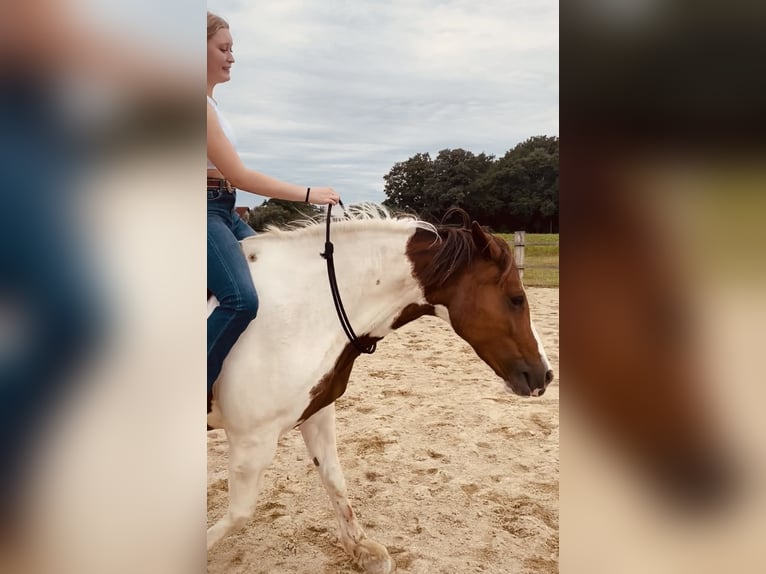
{"x": 215, "y": 23}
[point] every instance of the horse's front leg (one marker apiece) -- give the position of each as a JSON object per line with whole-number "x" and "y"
{"x": 249, "y": 456}
{"x": 319, "y": 435}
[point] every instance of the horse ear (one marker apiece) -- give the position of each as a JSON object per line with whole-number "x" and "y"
{"x": 487, "y": 247}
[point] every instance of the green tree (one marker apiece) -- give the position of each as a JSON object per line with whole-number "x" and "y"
{"x": 453, "y": 184}
{"x": 517, "y": 191}
{"x": 406, "y": 183}
{"x": 520, "y": 189}
{"x": 430, "y": 187}
{"x": 279, "y": 212}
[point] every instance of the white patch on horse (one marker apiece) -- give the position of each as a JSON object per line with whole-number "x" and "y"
{"x": 296, "y": 340}
{"x": 293, "y": 311}
{"x": 212, "y": 303}
{"x": 540, "y": 348}
{"x": 442, "y": 312}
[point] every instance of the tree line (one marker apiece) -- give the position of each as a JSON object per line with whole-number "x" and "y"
{"x": 517, "y": 191}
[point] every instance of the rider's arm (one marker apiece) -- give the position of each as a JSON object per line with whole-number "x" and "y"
{"x": 222, "y": 153}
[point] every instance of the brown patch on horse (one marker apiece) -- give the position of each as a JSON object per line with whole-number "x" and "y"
{"x": 333, "y": 384}
{"x": 410, "y": 313}
{"x": 436, "y": 263}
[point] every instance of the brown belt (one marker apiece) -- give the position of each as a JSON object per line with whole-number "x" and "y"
{"x": 220, "y": 184}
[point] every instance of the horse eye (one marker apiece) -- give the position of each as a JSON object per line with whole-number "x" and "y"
{"x": 516, "y": 302}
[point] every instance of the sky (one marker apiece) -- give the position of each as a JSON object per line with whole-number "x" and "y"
{"x": 334, "y": 93}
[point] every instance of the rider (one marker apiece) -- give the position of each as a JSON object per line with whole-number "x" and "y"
{"x": 228, "y": 275}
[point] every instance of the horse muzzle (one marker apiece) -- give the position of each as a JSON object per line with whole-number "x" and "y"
{"x": 529, "y": 381}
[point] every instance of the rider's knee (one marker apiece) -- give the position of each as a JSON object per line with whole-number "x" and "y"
{"x": 247, "y": 306}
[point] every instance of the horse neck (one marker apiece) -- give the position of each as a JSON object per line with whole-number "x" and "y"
{"x": 373, "y": 272}
{"x": 375, "y": 278}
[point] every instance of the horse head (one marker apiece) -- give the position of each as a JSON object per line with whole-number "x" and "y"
{"x": 470, "y": 278}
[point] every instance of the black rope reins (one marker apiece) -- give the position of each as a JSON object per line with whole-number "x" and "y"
{"x": 329, "y": 248}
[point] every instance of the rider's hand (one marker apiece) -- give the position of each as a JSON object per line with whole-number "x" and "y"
{"x": 323, "y": 196}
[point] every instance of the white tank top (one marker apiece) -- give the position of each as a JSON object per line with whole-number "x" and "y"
{"x": 225, "y": 126}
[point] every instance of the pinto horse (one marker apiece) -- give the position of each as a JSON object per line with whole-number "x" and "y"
{"x": 294, "y": 360}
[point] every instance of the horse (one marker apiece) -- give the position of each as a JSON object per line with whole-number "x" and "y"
{"x": 293, "y": 361}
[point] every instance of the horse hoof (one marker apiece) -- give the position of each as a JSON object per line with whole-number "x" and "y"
{"x": 374, "y": 558}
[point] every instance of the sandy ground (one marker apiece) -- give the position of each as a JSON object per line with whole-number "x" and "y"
{"x": 447, "y": 470}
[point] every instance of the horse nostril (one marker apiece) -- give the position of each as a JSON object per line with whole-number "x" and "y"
{"x": 548, "y": 377}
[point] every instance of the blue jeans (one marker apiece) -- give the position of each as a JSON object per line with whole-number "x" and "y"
{"x": 46, "y": 280}
{"x": 228, "y": 277}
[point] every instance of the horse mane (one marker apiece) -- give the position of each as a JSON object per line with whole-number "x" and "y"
{"x": 457, "y": 250}
{"x": 374, "y": 216}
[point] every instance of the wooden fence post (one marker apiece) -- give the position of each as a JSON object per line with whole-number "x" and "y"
{"x": 519, "y": 241}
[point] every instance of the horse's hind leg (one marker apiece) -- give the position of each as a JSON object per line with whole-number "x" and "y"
{"x": 319, "y": 435}
{"x": 248, "y": 459}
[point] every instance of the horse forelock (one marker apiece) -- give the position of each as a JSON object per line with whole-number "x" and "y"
{"x": 455, "y": 251}
{"x": 507, "y": 262}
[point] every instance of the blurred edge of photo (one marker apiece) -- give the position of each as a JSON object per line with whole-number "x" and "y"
{"x": 102, "y": 141}
{"x": 662, "y": 203}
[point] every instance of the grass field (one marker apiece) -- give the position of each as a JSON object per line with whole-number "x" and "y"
{"x": 539, "y": 255}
